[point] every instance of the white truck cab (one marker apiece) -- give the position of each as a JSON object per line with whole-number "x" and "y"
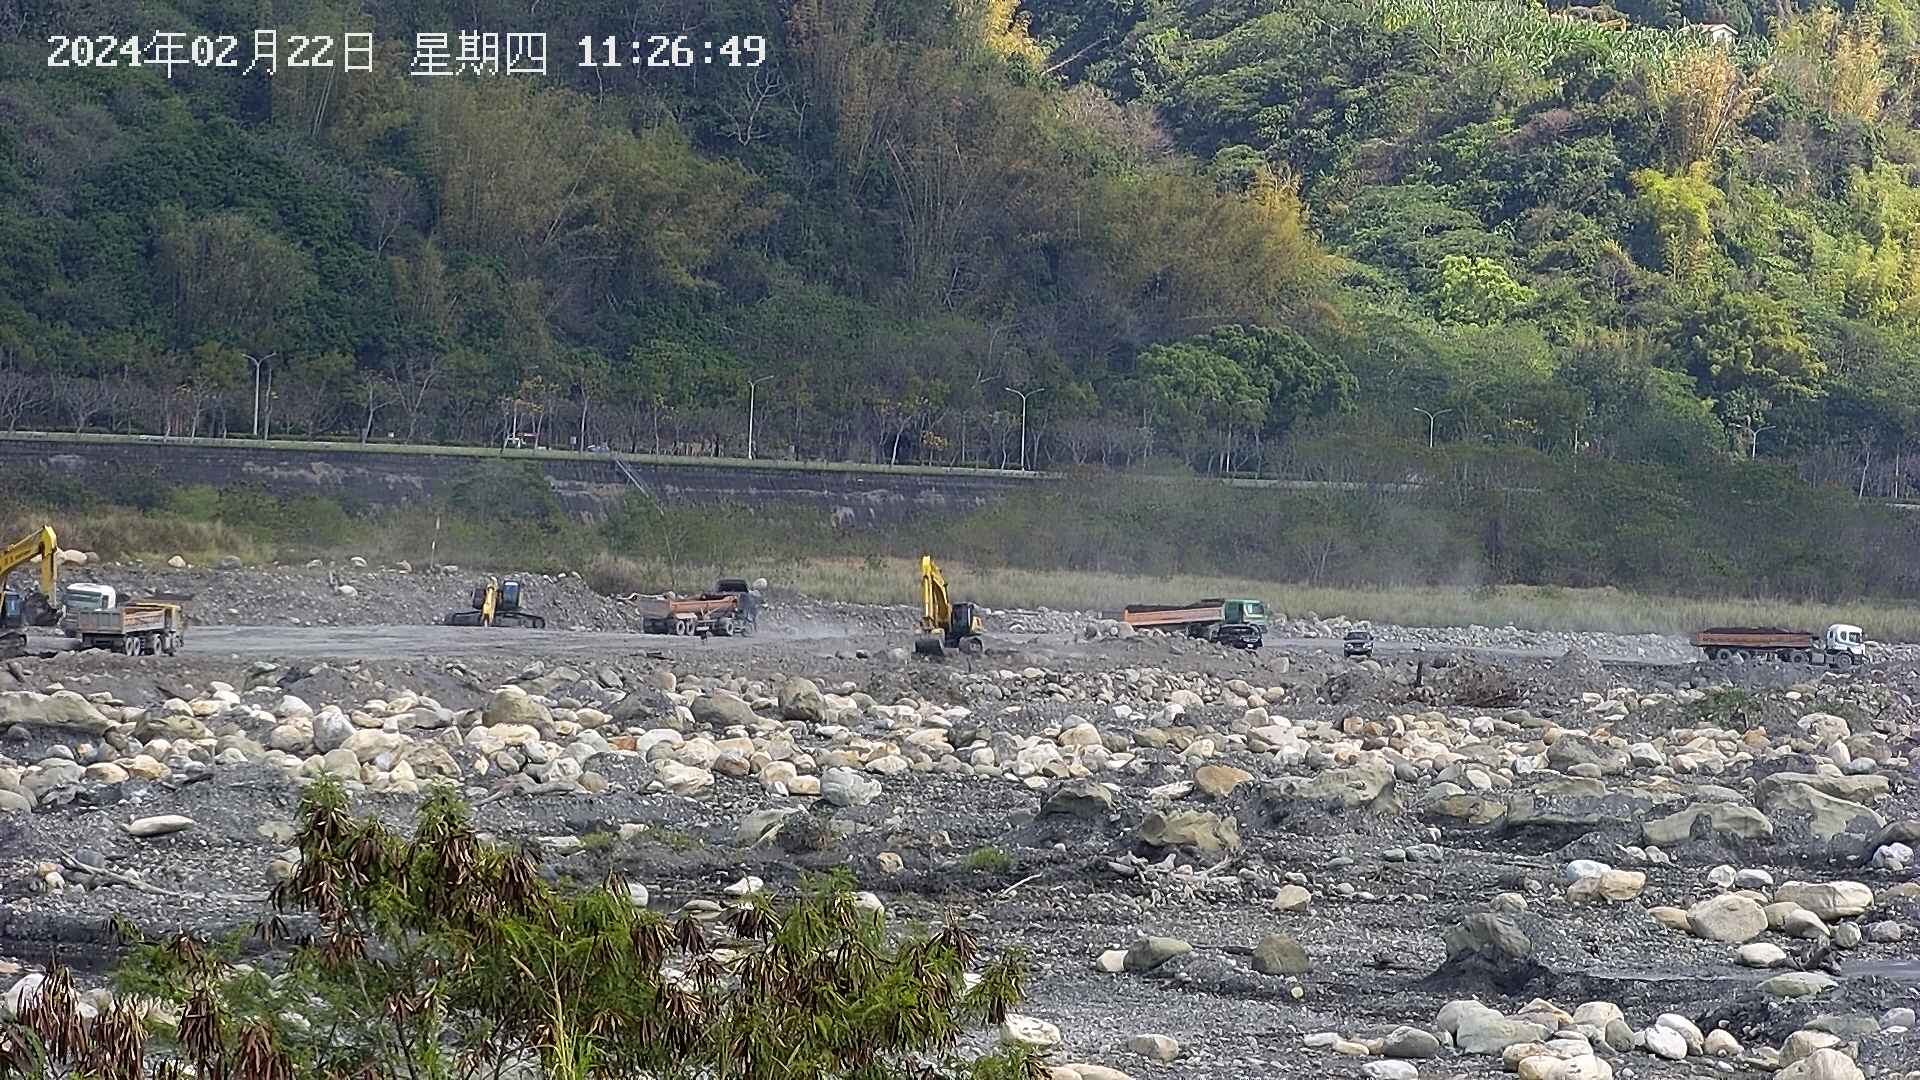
{"x": 1845, "y": 638}
{"x": 85, "y": 596}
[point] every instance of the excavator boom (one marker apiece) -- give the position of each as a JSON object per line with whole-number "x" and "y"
{"x": 41, "y": 608}
{"x": 42, "y": 543}
{"x": 936, "y": 607}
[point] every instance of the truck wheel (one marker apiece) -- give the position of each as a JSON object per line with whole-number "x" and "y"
{"x": 1800, "y": 656}
{"x": 172, "y": 644}
{"x": 1723, "y": 654}
{"x": 130, "y": 645}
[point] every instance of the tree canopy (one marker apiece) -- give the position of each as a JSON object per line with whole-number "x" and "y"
{"x": 1579, "y": 230}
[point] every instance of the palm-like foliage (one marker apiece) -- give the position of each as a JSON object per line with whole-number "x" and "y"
{"x": 443, "y": 956}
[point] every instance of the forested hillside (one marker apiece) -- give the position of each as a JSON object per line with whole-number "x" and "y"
{"x": 1243, "y": 234}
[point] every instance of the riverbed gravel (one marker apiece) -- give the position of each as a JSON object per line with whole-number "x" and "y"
{"x": 1478, "y": 854}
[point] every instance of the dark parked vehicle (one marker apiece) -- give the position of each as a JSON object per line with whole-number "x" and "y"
{"x": 1358, "y": 643}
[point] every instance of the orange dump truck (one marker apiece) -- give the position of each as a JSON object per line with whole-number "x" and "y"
{"x": 730, "y": 609}
{"x": 1237, "y": 622}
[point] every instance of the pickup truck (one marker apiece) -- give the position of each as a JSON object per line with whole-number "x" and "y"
{"x": 137, "y": 628}
{"x": 731, "y": 609}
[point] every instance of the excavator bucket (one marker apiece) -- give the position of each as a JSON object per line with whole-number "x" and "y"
{"x": 37, "y": 609}
{"x": 930, "y": 645}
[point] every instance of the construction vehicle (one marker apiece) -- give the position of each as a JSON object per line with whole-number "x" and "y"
{"x": 136, "y": 628}
{"x": 496, "y": 602}
{"x": 80, "y": 596}
{"x": 732, "y": 609}
{"x": 1239, "y": 622}
{"x": 21, "y": 609}
{"x": 945, "y": 624}
{"x": 1840, "y": 645}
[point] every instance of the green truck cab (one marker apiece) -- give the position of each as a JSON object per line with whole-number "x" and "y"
{"x": 1243, "y": 622}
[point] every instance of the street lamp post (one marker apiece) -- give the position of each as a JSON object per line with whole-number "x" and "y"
{"x": 258, "y": 362}
{"x": 752, "y": 385}
{"x": 1023, "y": 395}
{"x": 1431, "y": 417}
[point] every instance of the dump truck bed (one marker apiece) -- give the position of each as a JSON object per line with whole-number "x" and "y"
{"x": 660, "y": 607}
{"x": 129, "y": 619}
{"x": 1754, "y": 637}
{"x": 1171, "y": 614}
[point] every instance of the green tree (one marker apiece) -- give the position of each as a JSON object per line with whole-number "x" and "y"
{"x": 1478, "y": 290}
{"x": 1679, "y": 208}
{"x": 1742, "y": 339}
{"x": 440, "y": 953}
{"x": 226, "y": 277}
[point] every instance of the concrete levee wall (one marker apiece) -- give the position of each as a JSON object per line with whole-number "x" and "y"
{"x": 584, "y": 483}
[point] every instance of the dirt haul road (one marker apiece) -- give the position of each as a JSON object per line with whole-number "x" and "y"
{"x": 390, "y": 641}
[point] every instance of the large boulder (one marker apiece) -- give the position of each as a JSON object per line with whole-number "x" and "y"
{"x": 1721, "y": 821}
{"x": 1150, "y": 952}
{"x": 1574, "y": 749}
{"x": 1195, "y": 830}
{"x": 719, "y": 711}
{"x": 1307, "y": 801}
{"x": 1218, "y": 781}
{"x": 1829, "y": 899}
{"x": 513, "y": 705}
{"x": 1819, "y": 814}
{"x": 681, "y": 779}
{"x": 1489, "y": 949}
{"x": 1087, "y": 799}
{"x": 331, "y": 729}
{"x": 1480, "y": 1029}
{"x": 60, "y": 709}
{"x": 801, "y": 700}
{"x": 842, "y": 786}
{"x": 1826, "y": 1063}
{"x": 1280, "y": 954}
{"x": 1730, "y": 918}
{"x": 1863, "y": 788}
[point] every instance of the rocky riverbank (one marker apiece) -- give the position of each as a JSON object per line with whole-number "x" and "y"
{"x": 1220, "y": 864}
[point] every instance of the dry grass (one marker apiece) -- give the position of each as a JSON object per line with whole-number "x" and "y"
{"x": 126, "y": 534}
{"x": 130, "y": 534}
{"x": 892, "y": 581}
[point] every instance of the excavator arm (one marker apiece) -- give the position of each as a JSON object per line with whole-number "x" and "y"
{"x": 40, "y": 608}
{"x": 936, "y": 609}
{"x": 21, "y": 552}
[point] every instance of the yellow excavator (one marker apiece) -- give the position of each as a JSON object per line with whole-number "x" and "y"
{"x": 944, "y": 624}
{"x": 495, "y": 603}
{"x": 23, "y": 609}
